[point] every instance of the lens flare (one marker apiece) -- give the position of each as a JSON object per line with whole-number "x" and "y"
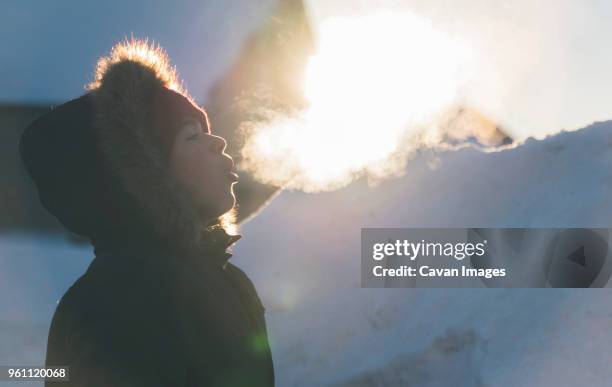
{"x": 374, "y": 82}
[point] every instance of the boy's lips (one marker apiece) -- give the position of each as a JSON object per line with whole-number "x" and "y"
{"x": 233, "y": 176}
{"x": 231, "y": 169}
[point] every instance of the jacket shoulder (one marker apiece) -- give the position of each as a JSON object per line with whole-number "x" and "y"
{"x": 247, "y": 293}
{"x": 109, "y": 326}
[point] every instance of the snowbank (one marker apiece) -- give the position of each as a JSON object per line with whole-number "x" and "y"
{"x": 302, "y": 251}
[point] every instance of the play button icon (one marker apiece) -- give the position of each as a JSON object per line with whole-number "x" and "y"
{"x": 580, "y": 259}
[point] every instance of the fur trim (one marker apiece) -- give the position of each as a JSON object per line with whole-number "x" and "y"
{"x": 149, "y": 56}
{"x": 124, "y": 86}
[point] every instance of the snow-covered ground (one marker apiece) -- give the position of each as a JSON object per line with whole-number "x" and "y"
{"x": 302, "y": 252}
{"x": 34, "y": 274}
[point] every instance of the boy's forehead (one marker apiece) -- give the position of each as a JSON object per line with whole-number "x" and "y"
{"x": 200, "y": 116}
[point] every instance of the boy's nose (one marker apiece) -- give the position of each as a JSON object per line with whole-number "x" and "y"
{"x": 218, "y": 144}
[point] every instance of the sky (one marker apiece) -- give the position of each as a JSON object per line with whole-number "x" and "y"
{"x": 543, "y": 66}
{"x": 49, "y": 49}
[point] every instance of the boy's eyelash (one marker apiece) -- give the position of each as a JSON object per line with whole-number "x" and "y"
{"x": 193, "y": 136}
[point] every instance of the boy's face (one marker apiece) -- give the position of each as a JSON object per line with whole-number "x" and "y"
{"x": 204, "y": 171}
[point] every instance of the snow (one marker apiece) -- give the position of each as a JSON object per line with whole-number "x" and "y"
{"x": 34, "y": 274}
{"x": 302, "y": 252}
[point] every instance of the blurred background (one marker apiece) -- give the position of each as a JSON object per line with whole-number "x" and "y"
{"x": 520, "y": 141}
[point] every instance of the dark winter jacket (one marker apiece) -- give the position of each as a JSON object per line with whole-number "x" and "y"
{"x": 150, "y": 319}
{"x": 159, "y": 304}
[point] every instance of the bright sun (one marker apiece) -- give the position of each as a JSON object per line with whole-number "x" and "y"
{"x": 374, "y": 80}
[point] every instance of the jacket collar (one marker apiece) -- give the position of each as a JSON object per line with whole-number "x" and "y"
{"x": 146, "y": 248}
{"x": 217, "y": 245}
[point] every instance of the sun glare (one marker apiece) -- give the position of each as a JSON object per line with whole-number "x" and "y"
{"x": 373, "y": 81}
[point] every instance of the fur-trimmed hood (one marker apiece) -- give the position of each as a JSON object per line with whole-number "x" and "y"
{"x": 135, "y": 195}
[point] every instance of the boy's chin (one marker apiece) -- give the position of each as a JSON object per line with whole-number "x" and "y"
{"x": 228, "y": 203}
{"x": 221, "y": 207}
